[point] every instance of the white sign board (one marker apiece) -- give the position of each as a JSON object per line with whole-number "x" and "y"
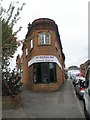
{"x": 44, "y": 58}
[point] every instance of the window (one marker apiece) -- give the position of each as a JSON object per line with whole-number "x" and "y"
{"x": 56, "y": 49}
{"x": 26, "y": 51}
{"x": 21, "y": 60}
{"x": 37, "y": 73}
{"x": 51, "y": 66}
{"x": 44, "y": 73}
{"x": 31, "y": 44}
{"x": 38, "y": 67}
{"x": 44, "y": 39}
{"x": 55, "y": 44}
{"x": 47, "y": 38}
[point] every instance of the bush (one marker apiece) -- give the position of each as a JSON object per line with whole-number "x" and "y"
{"x": 11, "y": 84}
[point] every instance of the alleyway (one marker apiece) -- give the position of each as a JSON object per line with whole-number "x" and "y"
{"x": 60, "y": 104}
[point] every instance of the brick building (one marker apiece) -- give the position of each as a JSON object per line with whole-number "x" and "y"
{"x": 84, "y": 66}
{"x": 43, "y": 59}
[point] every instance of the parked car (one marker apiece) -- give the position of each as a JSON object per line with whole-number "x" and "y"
{"x": 87, "y": 94}
{"x": 76, "y": 79}
{"x": 80, "y": 74}
{"x": 80, "y": 88}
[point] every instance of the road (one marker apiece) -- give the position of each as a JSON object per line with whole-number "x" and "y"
{"x": 59, "y": 104}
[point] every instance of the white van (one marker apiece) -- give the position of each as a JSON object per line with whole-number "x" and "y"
{"x": 87, "y": 94}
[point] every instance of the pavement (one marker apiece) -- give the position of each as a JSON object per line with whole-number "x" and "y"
{"x": 0, "y": 107}
{"x": 14, "y": 113}
{"x": 59, "y": 104}
{"x": 0, "y": 90}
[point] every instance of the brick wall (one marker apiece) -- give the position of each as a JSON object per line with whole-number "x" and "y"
{"x": 41, "y": 50}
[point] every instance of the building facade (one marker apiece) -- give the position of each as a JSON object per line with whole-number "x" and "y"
{"x": 43, "y": 59}
{"x": 84, "y": 66}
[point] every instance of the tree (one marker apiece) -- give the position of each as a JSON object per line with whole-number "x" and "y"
{"x": 9, "y": 18}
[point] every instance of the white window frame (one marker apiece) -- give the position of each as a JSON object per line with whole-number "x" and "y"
{"x": 49, "y": 39}
{"x": 44, "y": 34}
{"x": 31, "y": 44}
{"x": 44, "y": 39}
{"x": 26, "y": 51}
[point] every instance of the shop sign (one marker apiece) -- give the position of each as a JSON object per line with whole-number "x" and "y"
{"x": 44, "y": 58}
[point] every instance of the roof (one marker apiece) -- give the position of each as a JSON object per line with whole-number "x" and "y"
{"x": 87, "y": 63}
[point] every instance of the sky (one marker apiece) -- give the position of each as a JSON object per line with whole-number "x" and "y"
{"x": 71, "y": 16}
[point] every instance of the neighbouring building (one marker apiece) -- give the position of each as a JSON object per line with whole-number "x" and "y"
{"x": 84, "y": 66}
{"x": 43, "y": 60}
{"x": 19, "y": 67}
{"x": 72, "y": 71}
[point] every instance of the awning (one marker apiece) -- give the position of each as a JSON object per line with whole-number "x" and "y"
{"x": 44, "y": 58}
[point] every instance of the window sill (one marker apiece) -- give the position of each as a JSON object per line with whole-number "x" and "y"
{"x": 44, "y": 45}
{"x": 45, "y": 83}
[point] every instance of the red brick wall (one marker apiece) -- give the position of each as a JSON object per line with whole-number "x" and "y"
{"x": 86, "y": 66}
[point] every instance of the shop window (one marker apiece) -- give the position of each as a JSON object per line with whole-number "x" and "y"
{"x": 31, "y": 44}
{"x": 38, "y": 67}
{"x": 35, "y": 73}
{"x": 51, "y": 67}
{"x": 26, "y": 52}
{"x": 44, "y": 39}
{"x": 44, "y": 73}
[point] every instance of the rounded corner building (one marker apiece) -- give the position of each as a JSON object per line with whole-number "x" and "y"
{"x": 43, "y": 59}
